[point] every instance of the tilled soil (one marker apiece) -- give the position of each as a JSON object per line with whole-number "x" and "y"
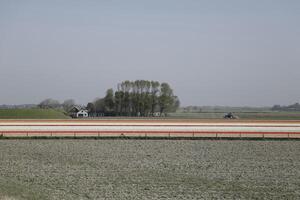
{"x": 149, "y": 169}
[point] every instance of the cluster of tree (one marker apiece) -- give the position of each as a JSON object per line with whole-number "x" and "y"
{"x": 293, "y": 107}
{"x": 136, "y": 98}
{"x": 55, "y": 104}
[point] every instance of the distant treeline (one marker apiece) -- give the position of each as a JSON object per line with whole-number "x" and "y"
{"x": 136, "y": 98}
{"x": 293, "y": 107}
{"x": 223, "y": 109}
{"x": 199, "y": 109}
{"x": 20, "y": 106}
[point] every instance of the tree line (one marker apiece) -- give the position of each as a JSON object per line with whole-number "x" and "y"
{"x": 136, "y": 98}
{"x": 293, "y": 107}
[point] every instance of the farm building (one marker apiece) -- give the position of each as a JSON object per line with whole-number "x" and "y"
{"x": 78, "y": 112}
{"x": 82, "y": 113}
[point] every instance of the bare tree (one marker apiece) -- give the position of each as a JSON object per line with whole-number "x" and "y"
{"x": 68, "y": 104}
{"x": 49, "y": 103}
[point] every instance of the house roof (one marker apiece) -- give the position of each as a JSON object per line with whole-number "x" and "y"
{"x": 82, "y": 110}
{"x": 77, "y": 108}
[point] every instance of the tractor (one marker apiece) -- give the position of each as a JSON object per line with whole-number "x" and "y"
{"x": 230, "y": 116}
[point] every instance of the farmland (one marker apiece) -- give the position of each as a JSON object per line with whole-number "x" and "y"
{"x": 149, "y": 169}
{"x": 254, "y": 115}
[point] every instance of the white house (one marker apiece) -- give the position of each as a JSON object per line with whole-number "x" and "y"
{"x": 82, "y": 113}
{"x": 78, "y": 112}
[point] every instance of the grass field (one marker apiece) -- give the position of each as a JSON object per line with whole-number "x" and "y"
{"x": 149, "y": 169}
{"x": 34, "y": 113}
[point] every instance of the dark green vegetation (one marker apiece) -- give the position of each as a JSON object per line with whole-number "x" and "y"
{"x": 136, "y": 98}
{"x": 33, "y": 113}
{"x": 148, "y": 169}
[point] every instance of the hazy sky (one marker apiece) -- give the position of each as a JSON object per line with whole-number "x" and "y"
{"x": 232, "y": 52}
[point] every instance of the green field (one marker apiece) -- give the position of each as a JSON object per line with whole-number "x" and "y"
{"x": 34, "y": 113}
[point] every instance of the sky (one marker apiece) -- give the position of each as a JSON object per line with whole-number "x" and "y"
{"x": 213, "y": 52}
